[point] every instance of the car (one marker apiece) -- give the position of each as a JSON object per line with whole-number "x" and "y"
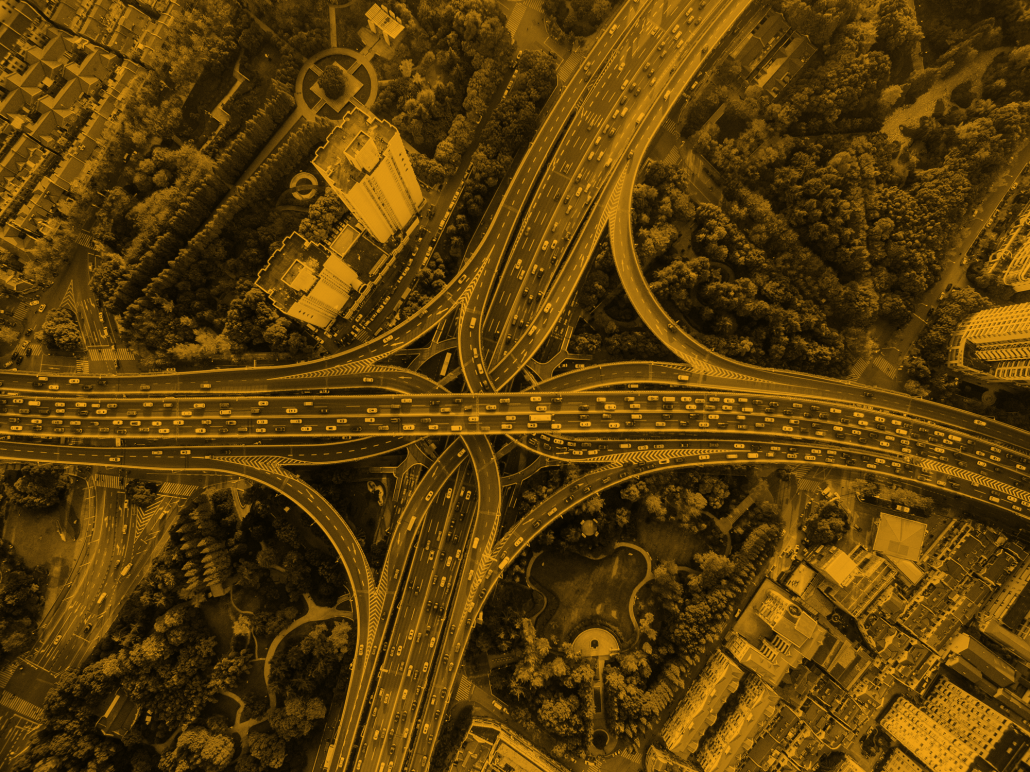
{"x": 42, "y": 307}
{"x": 33, "y": 302}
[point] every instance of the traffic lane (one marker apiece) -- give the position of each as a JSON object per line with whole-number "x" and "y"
{"x": 623, "y": 418}
{"x": 501, "y": 374}
{"x": 413, "y": 648}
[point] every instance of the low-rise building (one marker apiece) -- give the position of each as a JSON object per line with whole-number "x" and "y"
{"x": 984, "y": 662}
{"x": 698, "y": 709}
{"x": 721, "y": 746}
{"x": 490, "y": 746}
{"x": 931, "y": 743}
{"x": 899, "y": 537}
{"x": 991, "y": 736}
{"x": 851, "y": 581}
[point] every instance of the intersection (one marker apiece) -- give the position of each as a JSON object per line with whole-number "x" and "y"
{"x": 413, "y": 620}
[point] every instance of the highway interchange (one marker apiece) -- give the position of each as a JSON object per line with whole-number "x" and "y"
{"x": 414, "y": 619}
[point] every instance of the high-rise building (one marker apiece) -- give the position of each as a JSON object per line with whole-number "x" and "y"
{"x": 993, "y": 345}
{"x": 899, "y": 761}
{"x": 307, "y": 281}
{"x": 1014, "y": 254}
{"x": 365, "y": 162}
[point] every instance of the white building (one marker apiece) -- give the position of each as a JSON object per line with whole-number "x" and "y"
{"x": 993, "y": 345}
{"x": 365, "y": 162}
{"x": 930, "y": 742}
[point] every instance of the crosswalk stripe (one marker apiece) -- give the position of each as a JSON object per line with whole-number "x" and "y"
{"x": 569, "y": 67}
{"x": 7, "y": 672}
{"x": 515, "y": 18}
{"x": 182, "y": 490}
{"x": 82, "y": 365}
{"x": 884, "y": 366}
{"x": 101, "y": 354}
{"x": 107, "y": 481}
{"x": 21, "y": 707}
{"x": 858, "y": 368}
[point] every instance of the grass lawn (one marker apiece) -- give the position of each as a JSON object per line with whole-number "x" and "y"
{"x": 246, "y": 599}
{"x": 216, "y": 614}
{"x": 587, "y": 588}
{"x": 668, "y": 541}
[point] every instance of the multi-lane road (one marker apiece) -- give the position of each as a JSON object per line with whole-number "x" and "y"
{"x": 576, "y": 178}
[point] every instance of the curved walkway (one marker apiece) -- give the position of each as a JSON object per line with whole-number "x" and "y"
{"x": 315, "y": 613}
{"x": 632, "y": 596}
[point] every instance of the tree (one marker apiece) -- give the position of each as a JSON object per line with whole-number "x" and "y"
{"x": 829, "y": 526}
{"x": 268, "y": 748}
{"x": 198, "y": 750}
{"x": 333, "y": 81}
{"x": 230, "y": 671}
{"x": 61, "y": 329}
{"x": 141, "y": 494}
{"x": 37, "y": 486}
{"x": 21, "y": 602}
{"x": 897, "y": 28}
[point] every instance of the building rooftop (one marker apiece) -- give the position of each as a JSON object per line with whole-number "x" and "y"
{"x": 900, "y": 761}
{"x": 787, "y": 618}
{"x": 898, "y": 537}
{"x": 719, "y": 678}
{"x": 836, "y": 565}
{"x": 354, "y": 148}
{"x": 306, "y": 281}
{"x": 382, "y": 19}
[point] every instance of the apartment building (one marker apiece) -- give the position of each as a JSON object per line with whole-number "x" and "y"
{"x": 365, "y": 162}
{"x": 993, "y": 345}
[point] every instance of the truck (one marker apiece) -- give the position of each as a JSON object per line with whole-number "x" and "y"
{"x": 640, "y": 117}
{"x": 102, "y": 598}
{"x": 125, "y": 571}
